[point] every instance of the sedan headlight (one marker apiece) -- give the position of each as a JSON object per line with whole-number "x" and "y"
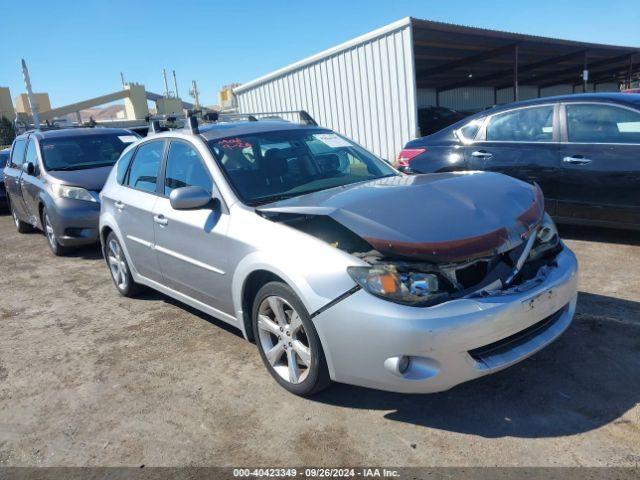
{"x": 74, "y": 193}
{"x": 547, "y": 238}
{"x": 410, "y": 288}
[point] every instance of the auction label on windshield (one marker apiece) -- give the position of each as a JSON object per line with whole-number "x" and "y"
{"x": 331, "y": 140}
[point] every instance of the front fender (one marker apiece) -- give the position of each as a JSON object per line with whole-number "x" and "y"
{"x": 311, "y": 294}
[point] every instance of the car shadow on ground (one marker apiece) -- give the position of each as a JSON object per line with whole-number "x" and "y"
{"x": 154, "y": 295}
{"x": 594, "y": 234}
{"x": 586, "y": 379}
{"x": 86, "y": 252}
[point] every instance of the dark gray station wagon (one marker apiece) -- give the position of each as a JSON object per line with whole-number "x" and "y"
{"x": 53, "y": 179}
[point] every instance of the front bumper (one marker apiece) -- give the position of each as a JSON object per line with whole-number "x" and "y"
{"x": 363, "y": 336}
{"x": 75, "y": 222}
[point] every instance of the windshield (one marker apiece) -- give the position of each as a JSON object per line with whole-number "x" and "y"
{"x": 269, "y": 166}
{"x": 89, "y": 151}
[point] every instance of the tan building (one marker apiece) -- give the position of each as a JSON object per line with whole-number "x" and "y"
{"x": 6, "y": 105}
{"x": 42, "y": 99}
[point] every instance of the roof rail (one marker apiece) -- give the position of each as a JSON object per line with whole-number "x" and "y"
{"x": 254, "y": 117}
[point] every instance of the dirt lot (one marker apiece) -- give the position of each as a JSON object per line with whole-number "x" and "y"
{"x": 90, "y": 378}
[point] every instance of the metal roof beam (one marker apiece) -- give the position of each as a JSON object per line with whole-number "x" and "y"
{"x": 569, "y": 75}
{"x": 612, "y": 75}
{"x": 469, "y": 60}
{"x": 506, "y": 73}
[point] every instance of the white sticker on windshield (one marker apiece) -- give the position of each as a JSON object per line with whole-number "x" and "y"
{"x": 332, "y": 140}
{"x": 127, "y": 138}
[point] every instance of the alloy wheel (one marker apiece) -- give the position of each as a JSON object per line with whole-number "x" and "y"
{"x": 48, "y": 230}
{"x": 283, "y": 339}
{"x": 117, "y": 264}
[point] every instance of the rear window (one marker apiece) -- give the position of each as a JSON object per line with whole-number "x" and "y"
{"x": 82, "y": 152}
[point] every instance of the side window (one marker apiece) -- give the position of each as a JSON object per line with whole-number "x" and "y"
{"x": 143, "y": 174}
{"x": 592, "y": 123}
{"x": 470, "y": 130}
{"x": 533, "y": 124}
{"x": 17, "y": 154}
{"x": 185, "y": 168}
{"x": 123, "y": 166}
{"x": 32, "y": 154}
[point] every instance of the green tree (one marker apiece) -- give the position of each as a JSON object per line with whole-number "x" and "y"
{"x": 7, "y": 133}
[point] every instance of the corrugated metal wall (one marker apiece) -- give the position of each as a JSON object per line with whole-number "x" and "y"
{"x": 364, "y": 90}
{"x": 525, "y": 92}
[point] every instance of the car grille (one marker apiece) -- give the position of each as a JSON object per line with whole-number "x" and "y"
{"x": 498, "y": 353}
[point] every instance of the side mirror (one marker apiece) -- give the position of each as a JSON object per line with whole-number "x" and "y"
{"x": 189, "y": 198}
{"x": 28, "y": 168}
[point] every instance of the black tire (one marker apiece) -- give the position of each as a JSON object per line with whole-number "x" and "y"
{"x": 128, "y": 288}
{"x": 22, "y": 227}
{"x": 317, "y": 377}
{"x": 55, "y": 247}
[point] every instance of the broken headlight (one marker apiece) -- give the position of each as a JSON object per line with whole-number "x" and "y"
{"x": 547, "y": 238}
{"x": 409, "y": 288}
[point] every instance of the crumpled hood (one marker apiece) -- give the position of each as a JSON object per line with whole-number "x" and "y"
{"x": 437, "y": 217}
{"x": 90, "y": 178}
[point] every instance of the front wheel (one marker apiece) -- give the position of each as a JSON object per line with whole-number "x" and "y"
{"x": 288, "y": 341}
{"x": 119, "y": 268}
{"x": 55, "y": 247}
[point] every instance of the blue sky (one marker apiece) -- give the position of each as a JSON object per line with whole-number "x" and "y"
{"x": 77, "y": 50}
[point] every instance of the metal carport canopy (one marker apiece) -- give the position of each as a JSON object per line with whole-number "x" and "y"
{"x": 451, "y": 56}
{"x": 367, "y": 88}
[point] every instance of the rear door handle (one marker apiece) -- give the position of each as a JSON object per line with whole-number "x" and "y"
{"x": 160, "y": 220}
{"x": 481, "y": 154}
{"x": 119, "y": 205}
{"x": 577, "y": 160}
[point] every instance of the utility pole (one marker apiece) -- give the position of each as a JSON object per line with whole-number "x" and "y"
{"x": 166, "y": 85}
{"x": 175, "y": 84}
{"x": 33, "y": 105}
{"x": 122, "y": 79}
{"x": 194, "y": 93}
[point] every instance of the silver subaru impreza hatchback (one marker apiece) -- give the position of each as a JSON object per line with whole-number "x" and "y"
{"x": 335, "y": 264}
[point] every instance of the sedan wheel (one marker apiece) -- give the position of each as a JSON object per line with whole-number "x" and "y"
{"x": 119, "y": 268}
{"x": 283, "y": 339}
{"x": 287, "y": 340}
{"x": 117, "y": 264}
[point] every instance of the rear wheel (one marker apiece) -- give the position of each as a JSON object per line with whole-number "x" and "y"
{"x": 22, "y": 227}
{"x": 288, "y": 341}
{"x": 119, "y": 268}
{"x": 52, "y": 240}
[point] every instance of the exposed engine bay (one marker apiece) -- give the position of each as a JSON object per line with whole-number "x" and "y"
{"x": 481, "y": 275}
{"x": 424, "y": 257}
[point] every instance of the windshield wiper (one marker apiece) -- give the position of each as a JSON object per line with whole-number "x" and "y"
{"x": 80, "y": 166}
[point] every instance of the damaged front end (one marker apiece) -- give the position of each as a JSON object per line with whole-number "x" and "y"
{"x": 429, "y": 283}
{"x": 515, "y": 254}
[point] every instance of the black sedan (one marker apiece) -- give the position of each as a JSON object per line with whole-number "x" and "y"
{"x": 583, "y": 150}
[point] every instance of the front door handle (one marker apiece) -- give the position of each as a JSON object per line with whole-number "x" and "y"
{"x": 160, "y": 220}
{"x": 481, "y": 154}
{"x": 577, "y": 160}
{"x": 119, "y": 205}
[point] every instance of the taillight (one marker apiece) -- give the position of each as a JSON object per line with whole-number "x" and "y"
{"x": 406, "y": 155}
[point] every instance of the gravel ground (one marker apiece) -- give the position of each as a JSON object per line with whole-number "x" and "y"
{"x": 89, "y": 378}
